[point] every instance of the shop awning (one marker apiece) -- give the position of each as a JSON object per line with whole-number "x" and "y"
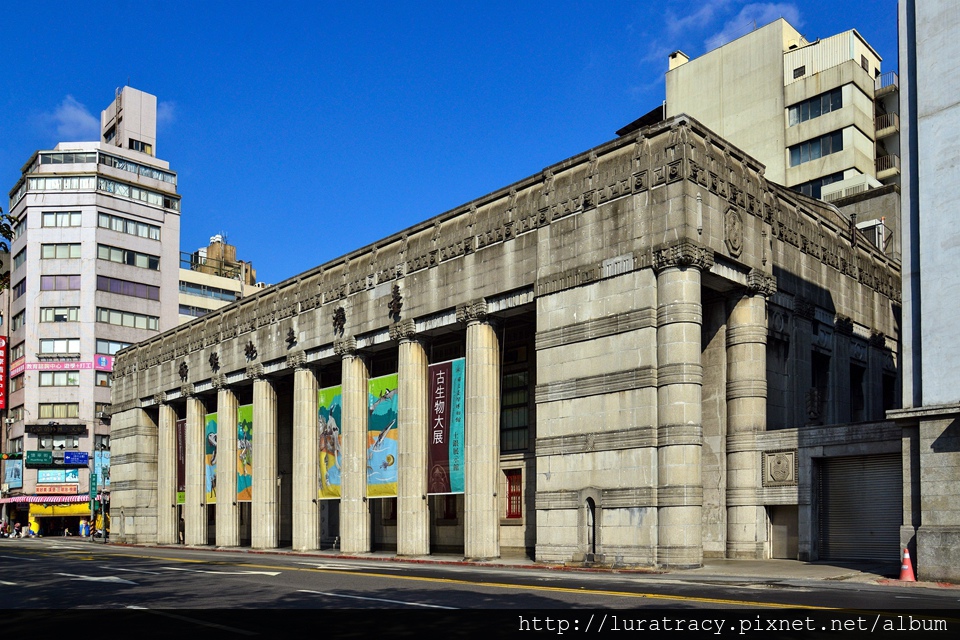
{"x": 81, "y": 497}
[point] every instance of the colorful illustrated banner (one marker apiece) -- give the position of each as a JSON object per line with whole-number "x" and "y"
{"x": 445, "y": 412}
{"x": 245, "y": 453}
{"x": 58, "y": 475}
{"x": 382, "y": 445}
{"x": 329, "y": 402}
{"x": 181, "y": 461}
{"x": 101, "y": 467}
{"x": 210, "y": 457}
{"x": 13, "y": 473}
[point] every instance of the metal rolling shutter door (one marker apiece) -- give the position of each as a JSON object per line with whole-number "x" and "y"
{"x": 861, "y": 507}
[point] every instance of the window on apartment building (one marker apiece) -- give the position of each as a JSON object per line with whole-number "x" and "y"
{"x": 814, "y": 188}
{"x": 128, "y": 319}
{"x": 865, "y": 63}
{"x": 514, "y": 478}
{"x": 19, "y": 259}
{"x": 49, "y": 410}
{"x": 110, "y": 347}
{"x": 59, "y": 251}
{"x": 194, "y": 289}
{"x": 125, "y": 256}
{"x": 19, "y": 289}
{"x": 110, "y": 134}
{"x": 129, "y": 227}
{"x": 16, "y": 352}
{"x": 103, "y": 407}
{"x": 196, "y": 312}
{"x": 16, "y": 383}
{"x": 17, "y": 321}
{"x": 104, "y": 379}
{"x": 816, "y": 106}
{"x": 58, "y": 442}
{"x": 15, "y": 445}
{"x": 59, "y": 378}
{"x": 128, "y": 288}
{"x": 59, "y": 345}
{"x": 143, "y": 147}
{"x": 59, "y": 314}
{"x": 59, "y": 283}
{"x": 61, "y": 219}
{"x": 19, "y": 227}
{"x": 816, "y": 148}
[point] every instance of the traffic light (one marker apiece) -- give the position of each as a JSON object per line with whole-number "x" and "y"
{"x": 11, "y": 456}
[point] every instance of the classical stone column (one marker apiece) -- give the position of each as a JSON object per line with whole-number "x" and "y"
{"x": 228, "y": 513}
{"x": 746, "y": 416}
{"x": 481, "y": 433}
{"x": 354, "y": 508}
{"x": 194, "y": 505}
{"x": 167, "y": 475}
{"x": 306, "y": 486}
{"x": 264, "y": 530}
{"x": 679, "y": 410}
{"x": 413, "y": 514}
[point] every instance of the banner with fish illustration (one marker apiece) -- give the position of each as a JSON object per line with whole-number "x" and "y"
{"x": 329, "y": 403}
{"x": 245, "y": 453}
{"x": 445, "y": 414}
{"x": 382, "y": 444}
{"x": 210, "y": 457}
{"x": 181, "y": 431}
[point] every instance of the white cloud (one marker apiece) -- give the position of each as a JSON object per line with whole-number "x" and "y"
{"x": 753, "y": 16}
{"x": 166, "y": 113}
{"x": 74, "y": 122}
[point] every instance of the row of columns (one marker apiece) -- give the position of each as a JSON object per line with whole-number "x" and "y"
{"x": 481, "y": 454}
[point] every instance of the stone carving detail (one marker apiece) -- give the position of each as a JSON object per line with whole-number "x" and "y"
{"x": 250, "y": 351}
{"x": 403, "y": 330}
{"x": 339, "y": 321}
{"x": 858, "y": 350}
{"x": 297, "y": 360}
{"x": 779, "y": 468}
{"x": 186, "y": 390}
{"x": 814, "y": 401}
{"x": 804, "y": 307}
{"x": 183, "y": 371}
{"x": 345, "y": 346}
{"x": 843, "y": 325}
{"x": 255, "y": 370}
{"x": 759, "y": 282}
{"x": 685, "y": 253}
{"x": 877, "y": 339}
{"x": 215, "y": 361}
{"x": 160, "y": 398}
{"x": 733, "y": 232}
{"x": 475, "y": 311}
{"x": 218, "y": 381}
{"x": 291, "y": 338}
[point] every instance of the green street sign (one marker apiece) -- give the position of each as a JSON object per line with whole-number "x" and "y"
{"x": 39, "y": 457}
{"x": 93, "y": 485}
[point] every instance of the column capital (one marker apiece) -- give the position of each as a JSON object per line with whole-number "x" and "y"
{"x": 187, "y": 390}
{"x": 473, "y": 311}
{"x": 761, "y": 283}
{"x": 218, "y": 381}
{"x": 345, "y": 346}
{"x": 297, "y": 360}
{"x": 160, "y": 398}
{"x": 403, "y": 330}
{"x": 685, "y": 253}
{"x": 255, "y": 371}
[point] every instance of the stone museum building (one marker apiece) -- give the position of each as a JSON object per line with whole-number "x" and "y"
{"x": 653, "y": 355}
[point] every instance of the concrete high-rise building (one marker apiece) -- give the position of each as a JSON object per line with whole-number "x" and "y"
{"x": 821, "y": 116}
{"x": 212, "y": 277}
{"x": 94, "y": 269}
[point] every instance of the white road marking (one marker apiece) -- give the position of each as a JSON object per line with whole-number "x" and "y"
{"x": 153, "y": 573}
{"x": 409, "y": 604}
{"x": 225, "y": 573}
{"x": 9, "y": 584}
{"x": 19, "y": 558}
{"x": 113, "y": 579}
{"x": 342, "y": 566}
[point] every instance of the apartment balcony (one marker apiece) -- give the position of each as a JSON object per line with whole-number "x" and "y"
{"x": 888, "y": 167}
{"x": 885, "y": 84}
{"x": 887, "y": 125}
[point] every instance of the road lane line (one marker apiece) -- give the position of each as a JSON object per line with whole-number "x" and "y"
{"x": 113, "y": 579}
{"x": 153, "y": 573}
{"x": 409, "y": 604}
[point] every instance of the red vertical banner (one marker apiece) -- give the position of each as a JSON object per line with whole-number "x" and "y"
{"x": 445, "y": 451}
{"x": 3, "y": 372}
{"x": 181, "y": 461}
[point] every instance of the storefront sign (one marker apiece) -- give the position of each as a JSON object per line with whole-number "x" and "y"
{"x": 55, "y": 429}
{"x": 100, "y": 363}
{"x": 13, "y": 474}
{"x": 3, "y": 372}
{"x": 56, "y": 489}
{"x": 52, "y": 476}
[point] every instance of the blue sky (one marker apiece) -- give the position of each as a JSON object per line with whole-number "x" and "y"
{"x": 304, "y": 130}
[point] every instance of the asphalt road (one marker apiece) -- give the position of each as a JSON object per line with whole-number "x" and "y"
{"x": 44, "y": 578}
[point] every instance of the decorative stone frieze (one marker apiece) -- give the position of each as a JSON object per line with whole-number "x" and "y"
{"x": 403, "y": 330}
{"x": 474, "y": 311}
{"x": 761, "y": 283}
{"x": 685, "y": 253}
{"x": 345, "y": 346}
{"x": 733, "y": 232}
{"x": 780, "y": 468}
{"x": 159, "y": 398}
{"x": 186, "y": 390}
{"x": 296, "y": 360}
{"x": 218, "y": 381}
{"x": 255, "y": 371}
